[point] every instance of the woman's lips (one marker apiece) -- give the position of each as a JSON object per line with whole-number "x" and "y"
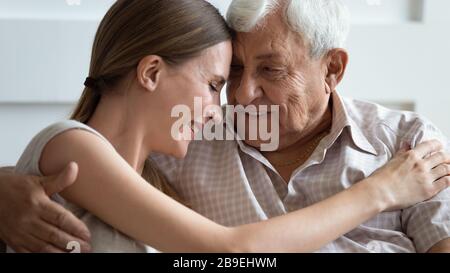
{"x": 196, "y": 127}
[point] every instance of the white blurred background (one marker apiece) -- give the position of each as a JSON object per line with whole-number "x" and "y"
{"x": 399, "y": 56}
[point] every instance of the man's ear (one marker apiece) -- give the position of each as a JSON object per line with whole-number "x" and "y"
{"x": 149, "y": 72}
{"x": 336, "y": 62}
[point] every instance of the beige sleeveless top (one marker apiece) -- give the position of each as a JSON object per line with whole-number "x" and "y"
{"x": 104, "y": 238}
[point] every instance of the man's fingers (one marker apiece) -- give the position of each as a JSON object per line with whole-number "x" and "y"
{"x": 21, "y": 250}
{"x": 52, "y": 249}
{"x": 57, "y": 183}
{"x": 40, "y": 232}
{"x": 57, "y": 239}
{"x": 63, "y": 219}
{"x": 44, "y": 247}
{"x": 428, "y": 147}
{"x": 17, "y": 246}
{"x": 33, "y": 244}
{"x": 36, "y": 245}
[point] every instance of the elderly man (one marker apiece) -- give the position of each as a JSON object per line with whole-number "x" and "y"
{"x": 289, "y": 53}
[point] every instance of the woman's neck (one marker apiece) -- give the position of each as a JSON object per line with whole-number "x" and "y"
{"x": 121, "y": 127}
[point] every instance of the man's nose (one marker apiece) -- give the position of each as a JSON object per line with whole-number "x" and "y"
{"x": 248, "y": 90}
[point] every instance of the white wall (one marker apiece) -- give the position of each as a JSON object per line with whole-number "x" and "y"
{"x": 404, "y": 61}
{"x": 398, "y": 54}
{"x": 20, "y": 121}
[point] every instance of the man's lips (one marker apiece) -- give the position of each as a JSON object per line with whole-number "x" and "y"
{"x": 257, "y": 114}
{"x": 252, "y": 113}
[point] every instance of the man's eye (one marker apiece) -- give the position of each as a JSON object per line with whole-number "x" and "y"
{"x": 270, "y": 69}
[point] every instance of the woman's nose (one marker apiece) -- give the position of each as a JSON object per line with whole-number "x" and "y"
{"x": 212, "y": 111}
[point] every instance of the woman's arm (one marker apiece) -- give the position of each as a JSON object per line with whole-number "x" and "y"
{"x": 109, "y": 188}
{"x": 411, "y": 177}
{"x": 311, "y": 228}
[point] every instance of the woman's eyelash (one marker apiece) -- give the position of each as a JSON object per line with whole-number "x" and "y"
{"x": 213, "y": 88}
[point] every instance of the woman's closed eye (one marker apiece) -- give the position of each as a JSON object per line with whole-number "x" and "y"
{"x": 213, "y": 87}
{"x": 216, "y": 87}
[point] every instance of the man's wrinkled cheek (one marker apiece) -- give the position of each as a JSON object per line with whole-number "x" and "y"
{"x": 298, "y": 81}
{"x": 297, "y": 110}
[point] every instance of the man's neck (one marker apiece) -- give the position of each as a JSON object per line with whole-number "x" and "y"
{"x": 288, "y": 159}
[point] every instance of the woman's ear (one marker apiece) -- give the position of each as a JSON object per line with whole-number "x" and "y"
{"x": 149, "y": 72}
{"x": 336, "y": 62}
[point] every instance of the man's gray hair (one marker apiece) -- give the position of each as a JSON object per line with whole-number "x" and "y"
{"x": 324, "y": 24}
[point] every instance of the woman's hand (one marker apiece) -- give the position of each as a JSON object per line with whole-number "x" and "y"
{"x": 413, "y": 176}
{"x": 31, "y": 221}
{"x": 409, "y": 178}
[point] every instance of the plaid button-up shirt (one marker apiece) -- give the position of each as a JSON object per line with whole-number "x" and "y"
{"x": 233, "y": 184}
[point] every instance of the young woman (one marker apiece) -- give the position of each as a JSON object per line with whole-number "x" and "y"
{"x": 149, "y": 56}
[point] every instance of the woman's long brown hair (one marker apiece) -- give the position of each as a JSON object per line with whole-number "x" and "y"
{"x": 176, "y": 30}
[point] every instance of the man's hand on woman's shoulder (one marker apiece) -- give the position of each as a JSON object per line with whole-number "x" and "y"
{"x": 30, "y": 220}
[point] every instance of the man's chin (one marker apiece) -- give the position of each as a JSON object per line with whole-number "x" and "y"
{"x": 253, "y": 143}
{"x": 260, "y": 144}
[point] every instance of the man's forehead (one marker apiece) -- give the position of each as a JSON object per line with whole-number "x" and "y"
{"x": 271, "y": 27}
{"x": 252, "y": 39}
{"x": 273, "y": 34}
{"x": 257, "y": 46}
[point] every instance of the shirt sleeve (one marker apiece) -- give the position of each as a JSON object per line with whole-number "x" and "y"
{"x": 427, "y": 223}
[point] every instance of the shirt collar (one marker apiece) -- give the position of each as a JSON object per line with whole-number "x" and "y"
{"x": 343, "y": 120}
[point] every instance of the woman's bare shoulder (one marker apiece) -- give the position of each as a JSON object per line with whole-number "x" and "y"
{"x": 72, "y": 145}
